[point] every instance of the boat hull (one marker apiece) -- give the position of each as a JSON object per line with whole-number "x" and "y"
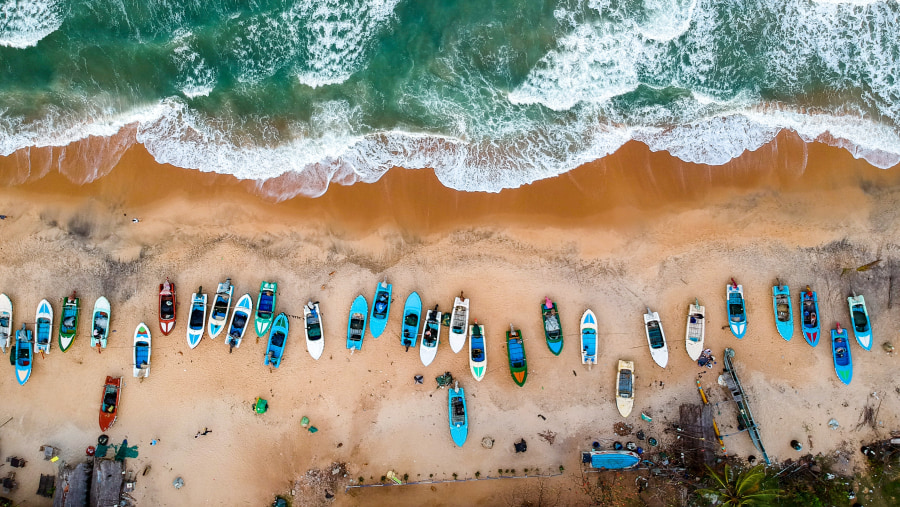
{"x": 68, "y": 322}
{"x": 6, "y": 320}
{"x": 142, "y": 351}
{"x": 840, "y": 352}
{"x": 515, "y": 352}
{"x": 218, "y": 314}
{"x": 625, "y": 387}
{"x": 315, "y": 334}
{"x": 477, "y": 351}
{"x": 44, "y": 327}
{"x": 737, "y": 310}
{"x": 552, "y": 326}
{"x": 167, "y": 305}
{"x": 100, "y": 319}
{"x": 265, "y": 307}
{"x": 656, "y": 339}
{"x": 196, "y": 319}
{"x": 381, "y": 309}
{"x": 278, "y": 334}
{"x": 589, "y": 340}
{"x": 356, "y": 323}
{"x": 784, "y": 312}
{"x": 427, "y": 351}
{"x": 109, "y": 402}
{"x": 458, "y": 415}
{"x": 860, "y": 322}
{"x": 24, "y": 356}
{"x": 240, "y": 321}
{"x": 612, "y": 460}
{"x": 695, "y": 332}
{"x": 412, "y": 318}
{"x": 459, "y": 324}
{"x": 809, "y": 322}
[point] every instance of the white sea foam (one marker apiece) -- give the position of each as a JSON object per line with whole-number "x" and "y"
{"x": 196, "y": 78}
{"x": 23, "y": 23}
{"x": 664, "y": 20}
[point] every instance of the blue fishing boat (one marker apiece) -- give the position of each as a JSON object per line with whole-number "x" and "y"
{"x": 840, "y": 350}
{"x": 278, "y": 334}
{"x": 197, "y": 318}
{"x": 588, "y": 338}
{"x": 784, "y": 314}
{"x": 809, "y": 309}
{"x": 737, "y": 312}
{"x": 23, "y": 355}
{"x": 412, "y": 314}
{"x": 380, "y": 309}
{"x": 552, "y": 326}
{"x": 611, "y": 460}
{"x": 356, "y": 325}
{"x": 862, "y": 326}
{"x": 43, "y": 327}
{"x": 265, "y": 307}
{"x": 459, "y": 418}
{"x": 142, "y": 351}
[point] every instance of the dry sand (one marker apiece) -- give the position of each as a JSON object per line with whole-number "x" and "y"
{"x": 636, "y": 229}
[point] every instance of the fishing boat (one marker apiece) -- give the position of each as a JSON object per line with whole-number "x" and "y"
{"x": 109, "y": 402}
{"x": 356, "y": 324}
{"x": 784, "y": 314}
{"x": 625, "y": 387}
{"x": 459, "y": 323}
{"x": 695, "y": 333}
{"x": 315, "y": 341}
{"x": 68, "y": 321}
{"x": 859, "y": 317}
{"x": 218, "y": 315}
{"x": 240, "y": 320}
{"x": 611, "y": 460}
{"x": 552, "y": 326}
{"x": 809, "y": 308}
{"x": 22, "y": 355}
{"x": 142, "y": 351}
{"x": 43, "y": 327}
{"x": 100, "y": 324}
{"x": 431, "y": 336}
{"x": 737, "y": 312}
{"x": 515, "y": 350}
{"x": 166, "y": 307}
{"x": 459, "y": 418}
{"x": 5, "y": 322}
{"x": 278, "y": 333}
{"x": 197, "y": 318}
{"x": 656, "y": 338}
{"x": 380, "y": 309}
{"x": 265, "y": 307}
{"x": 589, "y": 338}
{"x": 477, "y": 351}
{"x": 412, "y": 313}
{"x": 840, "y": 351}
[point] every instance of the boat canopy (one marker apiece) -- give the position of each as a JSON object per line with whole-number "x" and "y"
{"x": 656, "y": 337}
{"x": 625, "y": 384}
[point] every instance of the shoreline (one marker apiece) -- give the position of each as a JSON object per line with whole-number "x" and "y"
{"x": 643, "y": 238}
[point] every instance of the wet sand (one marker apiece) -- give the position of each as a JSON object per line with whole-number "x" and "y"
{"x": 633, "y": 230}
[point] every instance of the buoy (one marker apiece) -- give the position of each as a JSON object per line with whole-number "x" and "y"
{"x": 90, "y": 450}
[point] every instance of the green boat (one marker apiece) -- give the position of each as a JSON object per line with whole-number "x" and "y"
{"x": 68, "y": 322}
{"x": 515, "y": 349}
{"x": 552, "y": 326}
{"x": 265, "y": 307}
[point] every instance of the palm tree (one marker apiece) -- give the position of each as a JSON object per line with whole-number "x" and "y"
{"x": 744, "y": 488}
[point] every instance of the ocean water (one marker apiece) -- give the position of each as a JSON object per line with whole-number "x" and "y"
{"x": 492, "y": 94}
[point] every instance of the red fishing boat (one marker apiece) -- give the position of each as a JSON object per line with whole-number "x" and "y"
{"x": 109, "y": 404}
{"x": 166, "y": 307}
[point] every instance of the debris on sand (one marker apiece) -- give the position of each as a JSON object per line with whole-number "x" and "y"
{"x": 548, "y": 436}
{"x": 317, "y": 485}
{"x": 622, "y": 429}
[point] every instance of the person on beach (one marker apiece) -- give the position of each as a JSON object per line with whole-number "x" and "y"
{"x": 204, "y": 432}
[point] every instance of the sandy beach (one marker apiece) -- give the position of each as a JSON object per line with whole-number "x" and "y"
{"x": 637, "y": 229}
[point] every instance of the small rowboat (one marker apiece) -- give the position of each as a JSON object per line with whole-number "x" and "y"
{"x": 611, "y": 460}
{"x": 265, "y": 307}
{"x": 431, "y": 336}
{"x": 552, "y": 326}
{"x": 809, "y": 308}
{"x": 278, "y": 334}
{"x": 515, "y": 350}
{"x": 221, "y": 305}
{"x": 737, "y": 311}
{"x": 315, "y": 341}
{"x": 588, "y": 338}
{"x": 381, "y": 307}
{"x": 840, "y": 351}
{"x": 625, "y": 387}
{"x": 44, "y": 327}
{"x": 197, "y": 318}
{"x": 459, "y": 324}
{"x": 412, "y": 314}
{"x": 656, "y": 338}
{"x": 784, "y": 314}
{"x": 240, "y": 321}
{"x": 166, "y": 307}
{"x": 109, "y": 402}
{"x": 100, "y": 324}
{"x": 459, "y": 418}
{"x": 142, "y": 351}
{"x": 68, "y": 321}
{"x": 696, "y": 330}
{"x": 862, "y": 326}
{"x": 23, "y": 355}
{"x": 477, "y": 354}
{"x": 356, "y": 324}
{"x": 5, "y": 323}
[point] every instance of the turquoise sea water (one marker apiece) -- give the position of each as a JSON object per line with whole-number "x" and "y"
{"x": 491, "y": 93}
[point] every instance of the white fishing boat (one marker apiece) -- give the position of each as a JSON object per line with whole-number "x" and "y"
{"x": 240, "y": 320}
{"x": 588, "y": 338}
{"x": 625, "y": 387}
{"x": 5, "y": 322}
{"x": 43, "y": 327}
{"x": 141, "y": 351}
{"x": 656, "y": 338}
{"x": 315, "y": 339}
{"x": 477, "y": 351}
{"x": 696, "y": 330}
{"x": 431, "y": 336}
{"x": 218, "y": 315}
{"x": 459, "y": 323}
